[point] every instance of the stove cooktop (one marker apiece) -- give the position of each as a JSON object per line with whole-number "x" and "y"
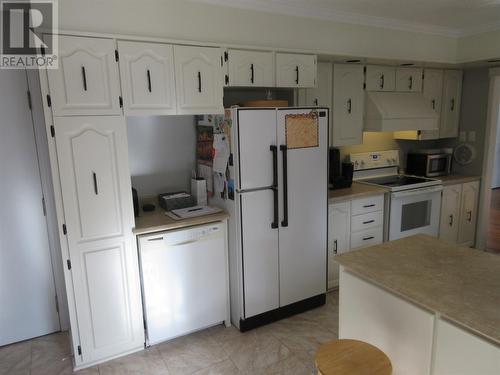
{"x": 401, "y": 182}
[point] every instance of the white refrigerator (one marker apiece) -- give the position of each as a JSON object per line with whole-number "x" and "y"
{"x": 278, "y": 224}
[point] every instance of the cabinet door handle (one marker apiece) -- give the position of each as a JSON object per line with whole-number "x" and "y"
{"x": 433, "y": 101}
{"x": 316, "y": 102}
{"x": 368, "y": 238}
{"x": 274, "y": 150}
{"x": 199, "y": 81}
{"x": 410, "y": 83}
{"x": 368, "y": 221}
{"x": 349, "y": 105}
{"x": 382, "y": 81}
{"x": 251, "y": 73}
{"x": 84, "y": 78}
{"x": 94, "y": 176}
{"x": 284, "y": 222}
{"x": 469, "y": 216}
{"x": 452, "y": 107}
{"x": 451, "y": 220}
{"x": 297, "y": 74}
{"x": 149, "y": 80}
{"x": 335, "y": 249}
{"x": 369, "y": 205}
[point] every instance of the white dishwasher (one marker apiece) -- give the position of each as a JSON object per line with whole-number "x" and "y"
{"x": 184, "y": 278}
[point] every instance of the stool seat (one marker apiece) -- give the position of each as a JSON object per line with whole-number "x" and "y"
{"x": 351, "y": 357}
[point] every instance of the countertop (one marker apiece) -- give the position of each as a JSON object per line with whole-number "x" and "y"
{"x": 156, "y": 221}
{"x": 457, "y": 179}
{"x": 461, "y": 284}
{"x": 357, "y": 190}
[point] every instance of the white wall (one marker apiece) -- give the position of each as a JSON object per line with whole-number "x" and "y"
{"x": 495, "y": 183}
{"x": 181, "y": 19}
{"x": 479, "y": 47}
{"x": 162, "y": 153}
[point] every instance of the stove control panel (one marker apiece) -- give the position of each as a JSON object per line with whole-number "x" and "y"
{"x": 375, "y": 159}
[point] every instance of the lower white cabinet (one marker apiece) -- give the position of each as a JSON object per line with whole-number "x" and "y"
{"x": 351, "y": 225}
{"x": 92, "y": 156}
{"x": 459, "y": 206}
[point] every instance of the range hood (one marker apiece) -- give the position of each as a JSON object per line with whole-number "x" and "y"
{"x": 396, "y": 111}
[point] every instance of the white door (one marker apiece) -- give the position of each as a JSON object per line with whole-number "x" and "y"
{"x": 348, "y": 105}
{"x": 433, "y": 92}
{"x": 259, "y": 242}
{"x": 256, "y": 134}
{"x": 250, "y": 68}
{"x": 380, "y": 78}
{"x": 303, "y": 188}
{"x": 294, "y": 70}
{"x": 450, "y": 112}
{"x": 147, "y": 74}
{"x": 321, "y": 95}
{"x": 87, "y": 81}
{"x": 339, "y": 220}
{"x": 468, "y": 213}
{"x": 27, "y": 291}
{"x": 450, "y": 213}
{"x": 409, "y": 79}
{"x": 95, "y": 181}
{"x": 198, "y": 80}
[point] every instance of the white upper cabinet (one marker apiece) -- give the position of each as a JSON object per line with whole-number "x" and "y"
{"x": 321, "y": 95}
{"x": 468, "y": 213}
{"x": 380, "y": 78}
{"x": 409, "y": 79}
{"x": 348, "y": 105}
{"x": 87, "y": 81}
{"x": 147, "y": 76}
{"x": 198, "y": 78}
{"x": 433, "y": 92}
{"x": 295, "y": 70}
{"x": 450, "y": 112}
{"x": 250, "y": 68}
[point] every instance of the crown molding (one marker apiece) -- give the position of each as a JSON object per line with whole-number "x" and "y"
{"x": 300, "y": 8}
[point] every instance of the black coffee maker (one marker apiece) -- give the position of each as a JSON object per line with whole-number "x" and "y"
{"x": 340, "y": 173}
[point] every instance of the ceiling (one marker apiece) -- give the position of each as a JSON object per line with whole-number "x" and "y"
{"x": 443, "y": 17}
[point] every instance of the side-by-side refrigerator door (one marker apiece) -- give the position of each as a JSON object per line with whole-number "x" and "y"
{"x": 256, "y": 133}
{"x": 303, "y": 196}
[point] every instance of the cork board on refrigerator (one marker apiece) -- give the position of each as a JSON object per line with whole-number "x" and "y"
{"x": 302, "y": 130}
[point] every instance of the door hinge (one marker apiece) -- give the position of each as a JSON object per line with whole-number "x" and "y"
{"x": 52, "y": 131}
{"x": 226, "y": 56}
{"x": 65, "y": 231}
{"x": 57, "y": 303}
{"x": 120, "y": 100}
{"x": 226, "y": 79}
{"x": 68, "y": 263}
{"x": 49, "y": 101}
{"x": 79, "y": 350}
{"x": 44, "y": 207}
{"x": 30, "y": 106}
{"x": 117, "y": 56}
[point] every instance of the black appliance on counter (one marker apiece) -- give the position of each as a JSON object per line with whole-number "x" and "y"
{"x": 135, "y": 199}
{"x": 340, "y": 173}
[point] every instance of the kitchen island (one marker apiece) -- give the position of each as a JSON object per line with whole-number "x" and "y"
{"x": 431, "y": 306}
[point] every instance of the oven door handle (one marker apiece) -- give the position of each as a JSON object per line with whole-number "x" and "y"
{"x": 418, "y": 191}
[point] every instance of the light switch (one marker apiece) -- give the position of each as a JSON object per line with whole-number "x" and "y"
{"x": 462, "y": 136}
{"x": 472, "y": 136}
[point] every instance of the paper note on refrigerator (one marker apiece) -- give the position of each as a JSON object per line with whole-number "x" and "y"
{"x": 302, "y": 130}
{"x": 222, "y": 151}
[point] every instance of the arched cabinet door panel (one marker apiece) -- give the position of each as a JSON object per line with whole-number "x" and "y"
{"x": 147, "y": 74}
{"x": 87, "y": 80}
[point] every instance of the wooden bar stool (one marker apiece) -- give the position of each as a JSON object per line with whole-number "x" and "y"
{"x": 351, "y": 357}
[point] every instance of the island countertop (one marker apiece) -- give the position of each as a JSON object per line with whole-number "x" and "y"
{"x": 460, "y": 284}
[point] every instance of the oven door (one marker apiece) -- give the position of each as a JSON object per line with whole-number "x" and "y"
{"x": 415, "y": 211}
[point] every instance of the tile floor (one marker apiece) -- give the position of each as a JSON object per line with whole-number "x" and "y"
{"x": 284, "y": 347}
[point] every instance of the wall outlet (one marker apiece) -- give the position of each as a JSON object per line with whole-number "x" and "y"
{"x": 472, "y": 136}
{"x": 462, "y": 137}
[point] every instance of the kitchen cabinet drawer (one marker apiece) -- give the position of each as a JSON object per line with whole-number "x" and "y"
{"x": 367, "y": 221}
{"x": 368, "y": 237}
{"x": 365, "y": 205}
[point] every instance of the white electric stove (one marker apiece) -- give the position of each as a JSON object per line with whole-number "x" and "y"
{"x": 415, "y": 202}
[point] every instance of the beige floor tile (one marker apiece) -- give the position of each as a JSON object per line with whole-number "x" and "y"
{"x": 291, "y": 366}
{"x": 226, "y": 367}
{"x": 255, "y": 350}
{"x": 222, "y": 334}
{"x": 15, "y": 359}
{"x": 145, "y": 362}
{"x": 191, "y": 353}
{"x": 51, "y": 355}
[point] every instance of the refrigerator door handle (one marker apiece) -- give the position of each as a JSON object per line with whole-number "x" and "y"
{"x": 284, "y": 222}
{"x": 274, "y": 150}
